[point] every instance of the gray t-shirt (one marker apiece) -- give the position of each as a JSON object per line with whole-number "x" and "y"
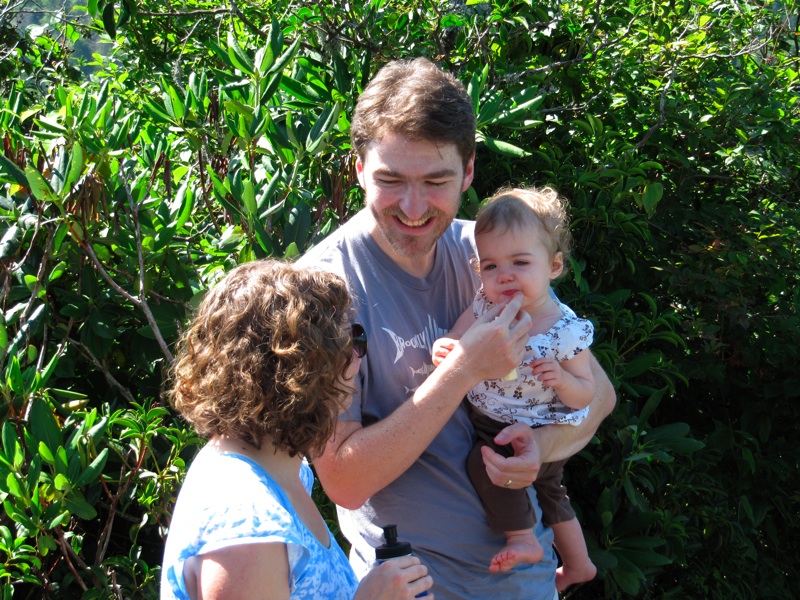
{"x": 433, "y": 503}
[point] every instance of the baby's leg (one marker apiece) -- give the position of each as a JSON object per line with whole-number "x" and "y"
{"x": 576, "y": 566}
{"x": 521, "y": 547}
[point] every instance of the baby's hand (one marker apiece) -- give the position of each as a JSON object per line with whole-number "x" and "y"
{"x": 441, "y": 348}
{"x": 548, "y": 371}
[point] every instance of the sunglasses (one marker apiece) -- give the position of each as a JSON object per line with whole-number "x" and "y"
{"x": 359, "y": 336}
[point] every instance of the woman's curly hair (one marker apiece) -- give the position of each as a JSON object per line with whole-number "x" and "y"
{"x": 265, "y": 357}
{"x": 543, "y": 208}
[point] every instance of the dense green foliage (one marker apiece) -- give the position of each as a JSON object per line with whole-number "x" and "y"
{"x": 212, "y": 135}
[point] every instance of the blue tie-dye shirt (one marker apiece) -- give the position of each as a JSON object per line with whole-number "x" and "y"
{"x": 229, "y": 500}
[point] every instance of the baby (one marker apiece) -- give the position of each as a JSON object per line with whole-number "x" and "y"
{"x": 523, "y": 242}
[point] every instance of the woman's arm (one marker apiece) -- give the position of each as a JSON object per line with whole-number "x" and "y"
{"x": 261, "y": 572}
{"x": 239, "y": 572}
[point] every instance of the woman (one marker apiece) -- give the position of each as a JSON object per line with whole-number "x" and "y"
{"x": 264, "y": 371}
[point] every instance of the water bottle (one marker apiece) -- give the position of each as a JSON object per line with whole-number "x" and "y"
{"x": 393, "y": 548}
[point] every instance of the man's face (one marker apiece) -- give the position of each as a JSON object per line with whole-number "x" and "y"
{"x": 413, "y": 189}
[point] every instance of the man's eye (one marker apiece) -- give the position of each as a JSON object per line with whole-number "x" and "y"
{"x": 437, "y": 183}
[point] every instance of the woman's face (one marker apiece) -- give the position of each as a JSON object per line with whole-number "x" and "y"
{"x": 359, "y": 349}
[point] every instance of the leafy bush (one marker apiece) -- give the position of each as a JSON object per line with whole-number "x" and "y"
{"x": 210, "y": 136}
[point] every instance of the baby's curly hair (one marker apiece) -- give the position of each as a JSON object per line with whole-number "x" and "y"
{"x": 543, "y": 208}
{"x": 265, "y": 356}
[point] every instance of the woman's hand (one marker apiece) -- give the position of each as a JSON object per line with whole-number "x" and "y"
{"x": 397, "y": 579}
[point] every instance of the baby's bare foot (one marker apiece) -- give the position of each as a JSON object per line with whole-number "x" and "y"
{"x": 519, "y": 548}
{"x": 567, "y": 575}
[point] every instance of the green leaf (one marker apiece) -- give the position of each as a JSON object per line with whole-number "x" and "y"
{"x": 653, "y": 192}
{"x": 318, "y": 135}
{"x": 14, "y": 376}
{"x": 60, "y": 519}
{"x": 641, "y": 364}
{"x": 48, "y": 371}
{"x": 249, "y": 197}
{"x": 39, "y": 186}
{"x": 46, "y": 455}
{"x": 519, "y": 112}
{"x": 238, "y": 57}
{"x": 652, "y": 403}
{"x": 266, "y": 196}
{"x": 14, "y": 487}
{"x": 76, "y": 503}
{"x": 10, "y": 442}
{"x": 44, "y": 427}
{"x": 93, "y": 471}
{"x": 19, "y": 517}
{"x": 11, "y": 173}
{"x": 61, "y": 482}
{"x": 57, "y": 271}
{"x": 109, "y": 20}
{"x": 504, "y": 148}
{"x": 76, "y": 163}
{"x": 185, "y": 200}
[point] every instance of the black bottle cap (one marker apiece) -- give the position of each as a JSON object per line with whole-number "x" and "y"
{"x": 392, "y": 548}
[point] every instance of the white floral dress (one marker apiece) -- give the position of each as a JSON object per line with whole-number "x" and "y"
{"x": 525, "y": 399}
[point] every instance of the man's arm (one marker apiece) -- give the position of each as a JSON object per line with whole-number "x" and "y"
{"x": 532, "y": 447}
{"x": 356, "y": 462}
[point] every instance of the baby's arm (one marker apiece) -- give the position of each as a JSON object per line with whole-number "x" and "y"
{"x": 443, "y": 346}
{"x": 571, "y": 379}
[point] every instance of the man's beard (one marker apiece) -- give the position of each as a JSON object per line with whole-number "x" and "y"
{"x": 411, "y": 246}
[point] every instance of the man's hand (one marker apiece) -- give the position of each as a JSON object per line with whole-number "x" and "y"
{"x": 495, "y": 343}
{"x": 522, "y": 468}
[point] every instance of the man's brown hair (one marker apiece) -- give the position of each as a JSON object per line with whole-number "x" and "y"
{"x": 417, "y": 99}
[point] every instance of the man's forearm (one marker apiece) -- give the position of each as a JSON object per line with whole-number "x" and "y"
{"x": 356, "y": 463}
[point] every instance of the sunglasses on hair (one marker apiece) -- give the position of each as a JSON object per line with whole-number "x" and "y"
{"x": 359, "y": 335}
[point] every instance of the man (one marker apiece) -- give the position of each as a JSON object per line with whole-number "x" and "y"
{"x": 399, "y": 452}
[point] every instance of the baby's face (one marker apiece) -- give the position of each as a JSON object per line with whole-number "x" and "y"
{"x": 516, "y": 260}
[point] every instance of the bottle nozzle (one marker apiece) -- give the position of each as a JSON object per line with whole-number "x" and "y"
{"x": 390, "y": 534}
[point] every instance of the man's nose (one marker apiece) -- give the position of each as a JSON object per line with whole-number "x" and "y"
{"x": 413, "y": 204}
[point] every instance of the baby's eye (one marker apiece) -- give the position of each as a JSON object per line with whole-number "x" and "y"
{"x": 521, "y": 263}
{"x": 487, "y": 267}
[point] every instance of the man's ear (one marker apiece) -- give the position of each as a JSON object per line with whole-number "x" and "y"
{"x": 360, "y": 172}
{"x": 469, "y": 173}
{"x": 557, "y": 266}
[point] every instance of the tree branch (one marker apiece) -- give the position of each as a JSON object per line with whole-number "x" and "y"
{"x": 142, "y": 287}
{"x": 102, "y": 368}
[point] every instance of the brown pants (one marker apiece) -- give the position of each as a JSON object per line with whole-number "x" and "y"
{"x": 511, "y": 510}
